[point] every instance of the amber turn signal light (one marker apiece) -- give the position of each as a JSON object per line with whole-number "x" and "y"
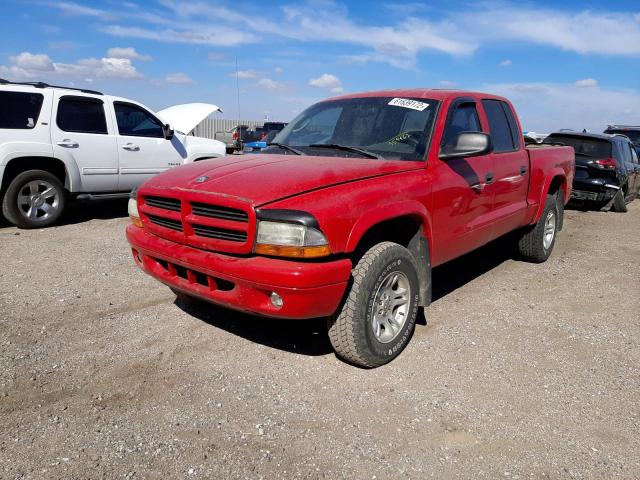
{"x": 295, "y": 252}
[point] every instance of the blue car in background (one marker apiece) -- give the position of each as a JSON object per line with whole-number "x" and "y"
{"x": 269, "y": 131}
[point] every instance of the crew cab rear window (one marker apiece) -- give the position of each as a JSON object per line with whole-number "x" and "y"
{"x": 504, "y": 131}
{"x": 81, "y": 115}
{"x": 20, "y": 110}
{"x": 134, "y": 121}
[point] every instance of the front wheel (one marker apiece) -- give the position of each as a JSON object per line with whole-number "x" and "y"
{"x": 536, "y": 244}
{"x": 379, "y": 314}
{"x": 34, "y": 199}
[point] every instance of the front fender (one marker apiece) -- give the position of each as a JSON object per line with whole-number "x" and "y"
{"x": 197, "y": 148}
{"x": 389, "y": 212}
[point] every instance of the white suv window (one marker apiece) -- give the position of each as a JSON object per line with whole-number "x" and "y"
{"x": 81, "y": 115}
{"x": 20, "y": 110}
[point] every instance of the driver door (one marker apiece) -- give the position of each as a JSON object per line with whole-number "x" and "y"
{"x": 462, "y": 197}
{"x": 143, "y": 150}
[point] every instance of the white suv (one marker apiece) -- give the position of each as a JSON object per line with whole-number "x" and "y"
{"x": 58, "y": 143}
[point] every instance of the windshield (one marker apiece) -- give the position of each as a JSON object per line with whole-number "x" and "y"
{"x": 387, "y": 127}
{"x": 584, "y": 146}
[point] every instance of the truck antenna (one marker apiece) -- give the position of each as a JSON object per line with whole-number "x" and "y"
{"x": 238, "y": 88}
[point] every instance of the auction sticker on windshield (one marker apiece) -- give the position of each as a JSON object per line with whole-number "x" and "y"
{"x": 408, "y": 103}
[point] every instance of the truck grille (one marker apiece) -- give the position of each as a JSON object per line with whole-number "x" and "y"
{"x": 221, "y": 224}
{"x": 223, "y": 213}
{"x": 167, "y": 223}
{"x": 172, "y": 204}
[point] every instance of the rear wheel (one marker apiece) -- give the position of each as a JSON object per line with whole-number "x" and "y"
{"x": 34, "y": 199}
{"x": 379, "y": 313}
{"x": 619, "y": 204}
{"x": 536, "y": 244}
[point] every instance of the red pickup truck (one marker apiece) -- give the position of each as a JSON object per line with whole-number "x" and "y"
{"x": 350, "y": 207}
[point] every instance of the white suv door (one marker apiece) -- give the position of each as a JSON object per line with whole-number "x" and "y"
{"x": 142, "y": 147}
{"x": 83, "y": 134}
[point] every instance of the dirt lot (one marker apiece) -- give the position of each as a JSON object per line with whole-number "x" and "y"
{"x": 523, "y": 371}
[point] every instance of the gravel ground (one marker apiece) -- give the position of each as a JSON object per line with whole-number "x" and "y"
{"x": 523, "y": 371}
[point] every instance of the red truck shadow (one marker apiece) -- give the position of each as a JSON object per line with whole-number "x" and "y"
{"x": 309, "y": 337}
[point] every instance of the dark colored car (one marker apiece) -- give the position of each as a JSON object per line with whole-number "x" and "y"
{"x": 272, "y": 127}
{"x": 630, "y": 131}
{"x": 607, "y": 168}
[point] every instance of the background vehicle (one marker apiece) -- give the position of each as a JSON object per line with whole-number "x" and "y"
{"x": 236, "y": 137}
{"x": 607, "y": 168}
{"x": 630, "y": 131}
{"x": 347, "y": 211}
{"x": 258, "y": 146}
{"x": 58, "y": 143}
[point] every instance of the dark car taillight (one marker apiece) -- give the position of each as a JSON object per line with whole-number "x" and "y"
{"x": 608, "y": 163}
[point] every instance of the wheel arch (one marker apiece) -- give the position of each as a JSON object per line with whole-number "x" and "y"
{"x": 407, "y": 225}
{"x": 69, "y": 176}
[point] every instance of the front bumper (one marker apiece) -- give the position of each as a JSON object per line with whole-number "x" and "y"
{"x": 308, "y": 289}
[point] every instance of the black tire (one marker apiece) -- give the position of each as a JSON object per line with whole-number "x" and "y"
{"x": 351, "y": 330}
{"x": 532, "y": 245}
{"x": 619, "y": 205}
{"x": 19, "y": 187}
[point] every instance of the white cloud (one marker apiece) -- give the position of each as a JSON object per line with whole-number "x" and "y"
{"x": 29, "y": 66}
{"x": 215, "y": 56}
{"x": 270, "y": 84}
{"x": 586, "y": 83}
{"x": 279, "y": 70}
{"x": 545, "y": 107}
{"x": 220, "y": 36}
{"x": 505, "y": 63}
{"x": 245, "y": 74}
{"x": 329, "y": 81}
{"x": 128, "y": 52}
{"x": 35, "y": 62}
{"x": 178, "y": 78}
{"x": 76, "y": 9}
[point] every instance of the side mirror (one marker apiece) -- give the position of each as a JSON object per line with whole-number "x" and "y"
{"x": 467, "y": 144}
{"x": 168, "y": 132}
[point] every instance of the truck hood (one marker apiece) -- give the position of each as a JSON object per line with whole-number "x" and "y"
{"x": 261, "y": 179}
{"x": 186, "y": 117}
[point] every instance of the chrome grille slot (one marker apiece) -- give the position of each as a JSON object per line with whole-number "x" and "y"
{"x": 166, "y": 222}
{"x": 217, "y": 211}
{"x": 220, "y": 233}
{"x": 165, "y": 203}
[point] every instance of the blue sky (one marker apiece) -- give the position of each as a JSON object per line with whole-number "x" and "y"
{"x": 571, "y": 64}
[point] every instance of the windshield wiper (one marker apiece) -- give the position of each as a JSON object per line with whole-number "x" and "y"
{"x": 347, "y": 148}
{"x": 284, "y": 146}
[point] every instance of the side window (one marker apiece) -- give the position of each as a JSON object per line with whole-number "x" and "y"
{"x": 134, "y": 121}
{"x": 464, "y": 118}
{"x": 503, "y": 137}
{"x": 634, "y": 155}
{"x": 81, "y": 115}
{"x": 20, "y": 110}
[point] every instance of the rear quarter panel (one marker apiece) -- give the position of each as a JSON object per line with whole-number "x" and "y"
{"x": 547, "y": 163}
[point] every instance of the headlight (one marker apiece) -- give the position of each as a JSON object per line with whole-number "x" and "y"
{"x": 133, "y": 209}
{"x": 290, "y": 240}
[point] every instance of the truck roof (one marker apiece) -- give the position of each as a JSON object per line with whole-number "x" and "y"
{"x": 600, "y": 136}
{"x": 433, "y": 93}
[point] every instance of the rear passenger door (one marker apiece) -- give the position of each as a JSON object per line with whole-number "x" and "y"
{"x": 83, "y": 134}
{"x": 634, "y": 170}
{"x": 510, "y": 167}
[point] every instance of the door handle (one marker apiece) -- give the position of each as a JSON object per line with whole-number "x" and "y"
{"x": 489, "y": 177}
{"x": 523, "y": 170}
{"x": 131, "y": 147}
{"x": 67, "y": 143}
{"x": 478, "y": 187}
